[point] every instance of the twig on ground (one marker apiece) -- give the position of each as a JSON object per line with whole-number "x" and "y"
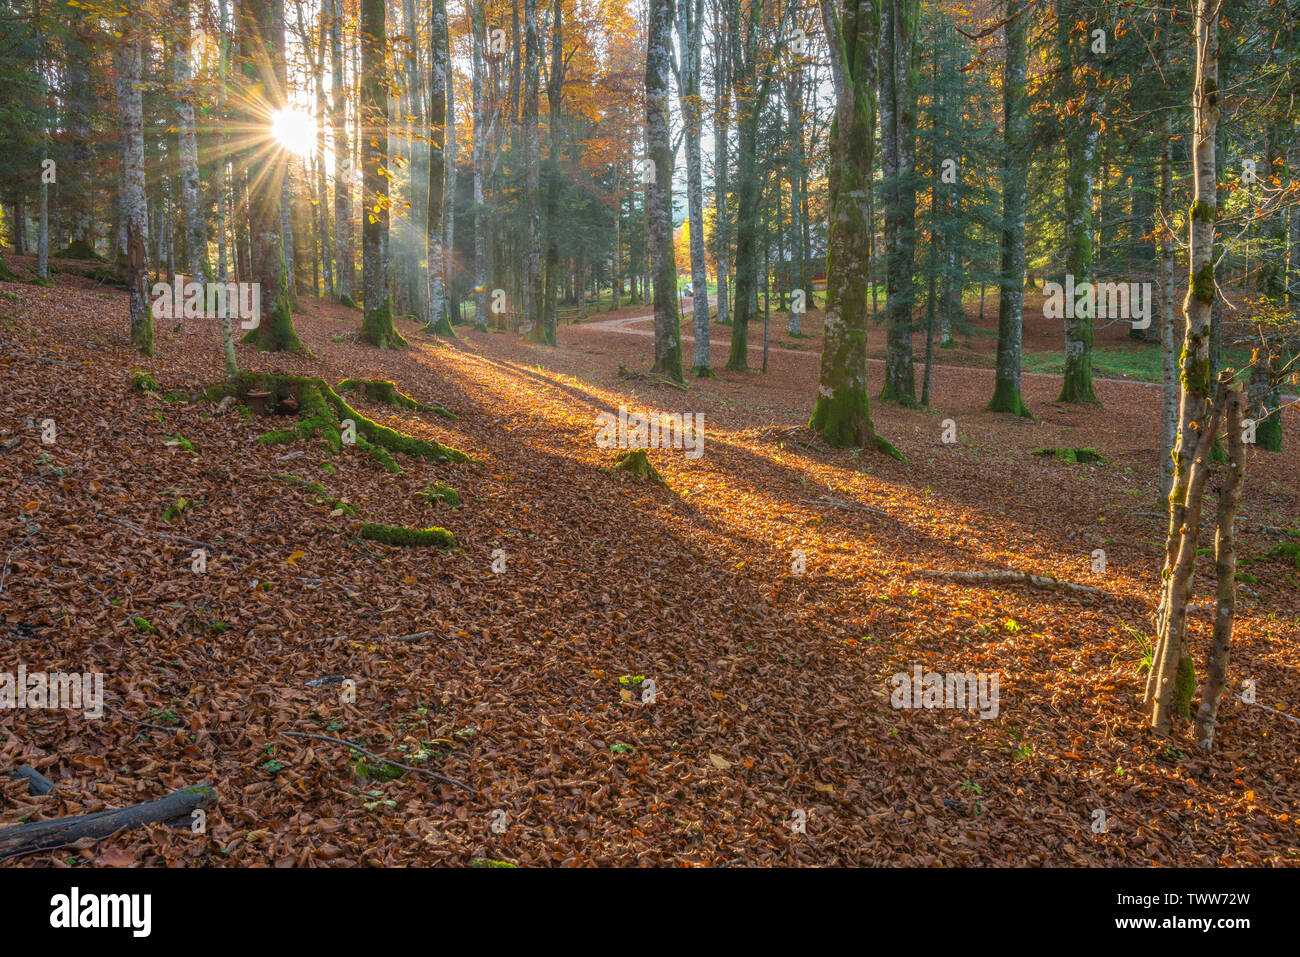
{"x": 371, "y": 754}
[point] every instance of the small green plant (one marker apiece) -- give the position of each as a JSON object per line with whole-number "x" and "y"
{"x": 440, "y": 492}
{"x": 143, "y": 382}
{"x": 176, "y": 509}
{"x": 142, "y": 624}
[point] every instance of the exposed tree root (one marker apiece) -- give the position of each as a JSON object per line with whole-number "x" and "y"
{"x": 381, "y": 390}
{"x": 401, "y": 535}
{"x": 1073, "y": 456}
{"x": 323, "y": 410}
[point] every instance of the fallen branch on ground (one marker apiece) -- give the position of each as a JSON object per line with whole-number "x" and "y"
{"x": 1042, "y": 582}
{"x": 49, "y": 835}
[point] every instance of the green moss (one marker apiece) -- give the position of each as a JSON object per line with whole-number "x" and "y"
{"x": 1072, "y": 456}
{"x": 1203, "y": 284}
{"x": 402, "y": 535}
{"x": 143, "y": 382}
{"x": 382, "y": 390}
{"x": 442, "y": 328}
{"x": 176, "y": 396}
{"x": 637, "y": 463}
{"x": 441, "y": 493}
{"x": 1007, "y": 398}
{"x": 1268, "y": 433}
{"x": 142, "y": 624}
{"x": 885, "y": 448}
{"x": 1289, "y": 550}
{"x": 348, "y": 301}
{"x": 323, "y": 410}
{"x": 1203, "y": 212}
{"x": 377, "y": 327}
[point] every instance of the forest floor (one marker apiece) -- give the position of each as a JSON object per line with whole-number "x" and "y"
{"x": 772, "y": 688}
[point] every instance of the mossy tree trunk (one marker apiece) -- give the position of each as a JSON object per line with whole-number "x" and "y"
{"x": 1015, "y": 175}
{"x": 1225, "y": 567}
{"x": 1172, "y": 656}
{"x": 260, "y": 65}
{"x": 842, "y": 413}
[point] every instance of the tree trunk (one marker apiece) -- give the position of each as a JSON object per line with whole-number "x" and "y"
{"x": 690, "y": 25}
{"x": 721, "y": 122}
{"x": 344, "y": 171}
{"x": 377, "y": 321}
{"x": 1081, "y": 152}
{"x": 480, "y": 160}
{"x": 274, "y": 331}
{"x": 1168, "y": 337}
{"x": 439, "y": 80}
{"x": 842, "y": 413}
{"x": 1015, "y": 174}
{"x": 1225, "y": 565}
{"x": 196, "y": 236}
{"x": 667, "y": 328}
{"x": 554, "y": 95}
{"x": 532, "y": 258}
{"x": 135, "y": 213}
{"x": 1195, "y": 434}
{"x": 899, "y": 34}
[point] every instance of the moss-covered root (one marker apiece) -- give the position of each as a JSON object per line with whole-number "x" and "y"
{"x": 323, "y": 410}
{"x": 440, "y": 328}
{"x": 1073, "y": 456}
{"x": 637, "y": 463}
{"x": 401, "y": 535}
{"x": 143, "y": 382}
{"x": 381, "y": 390}
{"x": 440, "y": 492}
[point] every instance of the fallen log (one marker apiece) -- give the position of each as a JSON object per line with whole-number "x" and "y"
{"x": 47, "y": 835}
{"x": 37, "y": 783}
{"x": 1042, "y": 582}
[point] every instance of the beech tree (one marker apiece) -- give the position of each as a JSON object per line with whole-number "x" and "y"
{"x": 842, "y": 413}
{"x": 1015, "y": 168}
{"x": 128, "y": 55}
{"x": 663, "y": 260}
{"x": 377, "y": 323}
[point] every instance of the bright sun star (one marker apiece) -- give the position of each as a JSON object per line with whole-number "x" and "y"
{"x": 294, "y": 130}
